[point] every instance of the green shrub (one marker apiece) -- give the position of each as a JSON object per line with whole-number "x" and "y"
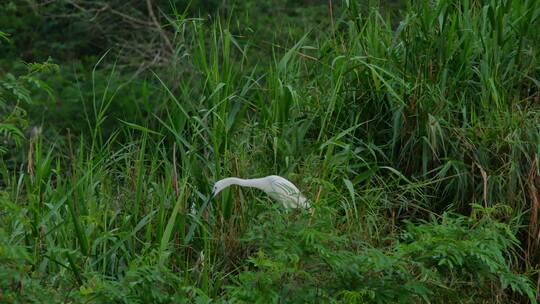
{"x": 447, "y": 260}
{"x": 20, "y": 281}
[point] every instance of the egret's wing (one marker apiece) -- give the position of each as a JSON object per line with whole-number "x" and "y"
{"x": 284, "y": 188}
{"x": 287, "y": 193}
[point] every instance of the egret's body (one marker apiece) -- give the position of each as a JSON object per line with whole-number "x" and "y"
{"x": 275, "y": 186}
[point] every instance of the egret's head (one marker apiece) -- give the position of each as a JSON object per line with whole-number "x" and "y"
{"x": 218, "y": 187}
{"x": 222, "y": 184}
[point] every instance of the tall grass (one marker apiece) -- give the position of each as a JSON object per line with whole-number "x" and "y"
{"x": 418, "y": 145}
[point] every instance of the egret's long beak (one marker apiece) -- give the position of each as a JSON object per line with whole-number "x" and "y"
{"x": 205, "y": 205}
{"x": 191, "y": 231}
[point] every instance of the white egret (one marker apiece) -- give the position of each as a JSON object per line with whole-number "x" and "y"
{"x": 277, "y": 187}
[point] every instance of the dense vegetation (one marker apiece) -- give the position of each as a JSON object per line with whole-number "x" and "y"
{"x": 414, "y": 129}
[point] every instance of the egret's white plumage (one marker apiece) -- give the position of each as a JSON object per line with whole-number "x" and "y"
{"x": 275, "y": 186}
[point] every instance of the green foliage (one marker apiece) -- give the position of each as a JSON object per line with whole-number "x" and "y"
{"x": 305, "y": 260}
{"x": 140, "y": 284}
{"x": 4, "y": 36}
{"x": 15, "y": 96}
{"x": 19, "y": 281}
{"x": 397, "y": 130}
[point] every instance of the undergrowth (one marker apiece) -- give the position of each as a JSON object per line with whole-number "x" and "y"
{"x": 416, "y": 139}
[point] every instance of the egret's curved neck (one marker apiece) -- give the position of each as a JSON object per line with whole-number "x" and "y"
{"x": 256, "y": 182}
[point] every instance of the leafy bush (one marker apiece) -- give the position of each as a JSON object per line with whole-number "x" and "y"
{"x": 20, "y": 282}
{"x": 303, "y": 259}
{"x": 139, "y": 284}
{"x": 16, "y": 94}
